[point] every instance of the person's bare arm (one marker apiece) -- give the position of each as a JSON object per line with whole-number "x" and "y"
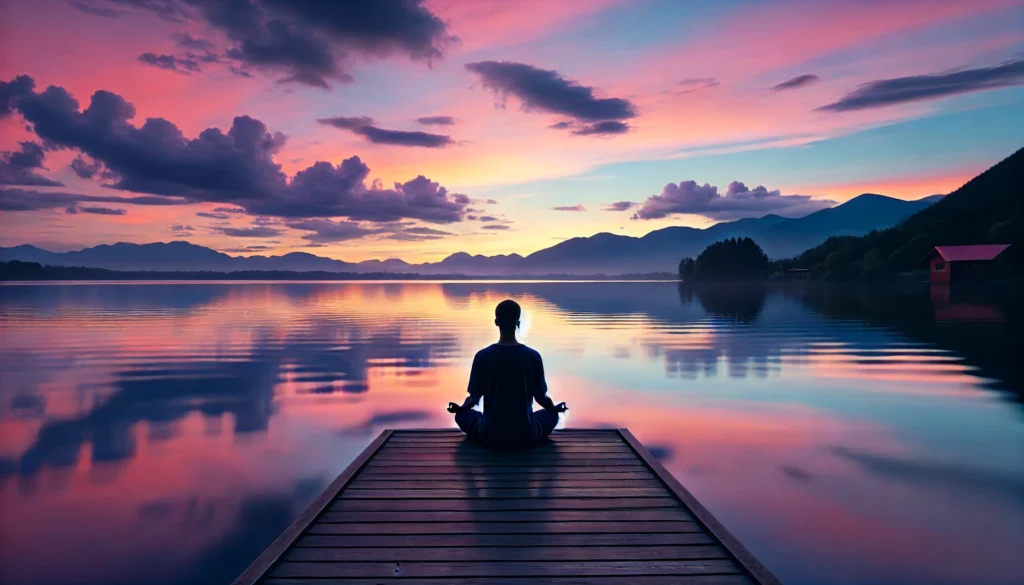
{"x": 541, "y": 395}
{"x": 475, "y": 389}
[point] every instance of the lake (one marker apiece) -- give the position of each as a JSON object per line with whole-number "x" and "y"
{"x": 163, "y": 433}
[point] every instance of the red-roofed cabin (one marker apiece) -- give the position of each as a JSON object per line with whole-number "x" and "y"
{"x": 961, "y": 263}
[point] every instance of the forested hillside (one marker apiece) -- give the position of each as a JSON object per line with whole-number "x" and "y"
{"x": 989, "y": 209}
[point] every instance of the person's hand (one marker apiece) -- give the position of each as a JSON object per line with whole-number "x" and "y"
{"x": 561, "y": 407}
{"x": 453, "y": 408}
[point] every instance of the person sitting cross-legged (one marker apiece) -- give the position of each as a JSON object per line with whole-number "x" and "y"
{"x": 509, "y": 376}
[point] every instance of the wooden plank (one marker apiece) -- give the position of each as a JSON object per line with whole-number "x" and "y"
{"x": 557, "y": 443}
{"x": 506, "y": 493}
{"x": 368, "y": 505}
{"x": 503, "y": 569}
{"x": 468, "y": 483}
{"x": 503, "y": 456}
{"x": 520, "y": 554}
{"x": 504, "y": 528}
{"x": 435, "y": 541}
{"x": 735, "y": 579}
{"x": 553, "y": 475}
{"x": 748, "y": 561}
{"x": 523, "y": 463}
{"x": 492, "y": 469}
{"x": 277, "y": 548}
{"x": 477, "y": 516}
{"x": 460, "y": 451}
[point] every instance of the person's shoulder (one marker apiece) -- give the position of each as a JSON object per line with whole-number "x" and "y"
{"x": 530, "y": 350}
{"x": 486, "y": 351}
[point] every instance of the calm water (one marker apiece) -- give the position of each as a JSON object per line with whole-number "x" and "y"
{"x": 166, "y": 433}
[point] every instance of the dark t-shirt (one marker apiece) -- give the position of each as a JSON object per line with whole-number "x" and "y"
{"x": 509, "y": 378}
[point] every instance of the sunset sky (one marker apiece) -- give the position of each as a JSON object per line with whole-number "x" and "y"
{"x": 415, "y": 129}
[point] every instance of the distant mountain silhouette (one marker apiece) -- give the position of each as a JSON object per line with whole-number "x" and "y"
{"x": 988, "y": 209}
{"x": 658, "y": 251}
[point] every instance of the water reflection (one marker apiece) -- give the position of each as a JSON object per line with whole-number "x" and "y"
{"x": 867, "y": 435}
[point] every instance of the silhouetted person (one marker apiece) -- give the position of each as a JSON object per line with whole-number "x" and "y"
{"x": 509, "y": 376}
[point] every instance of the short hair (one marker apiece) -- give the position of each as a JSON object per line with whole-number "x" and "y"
{"x": 507, "y": 314}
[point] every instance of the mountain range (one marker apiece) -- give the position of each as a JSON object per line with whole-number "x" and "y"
{"x": 603, "y": 253}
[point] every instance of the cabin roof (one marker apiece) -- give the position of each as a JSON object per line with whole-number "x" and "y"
{"x": 970, "y": 253}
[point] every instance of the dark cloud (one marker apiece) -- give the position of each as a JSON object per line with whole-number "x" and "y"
{"x": 347, "y": 122}
{"x": 887, "y": 92}
{"x": 426, "y": 231}
{"x": 185, "y": 65}
{"x": 96, "y": 209}
{"x": 693, "y": 84}
{"x": 235, "y": 210}
{"x": 404, "y": 138}
{"x": 619, "y": 206}
{"x": 436, "y": 120}
{"x": 569, "y": 208}
{"x": 18, "y": 167}
{"x": 487, "y": 218}
{"x": 27, "y": 200}
{"x": 326, "y": 230}
{"x": 362, "y": 125}
{"x": 310, "y": 42}
{"x": 209, "y": 215}
{"x": 546, "y": 90}
{"x": 235, "y": 167}
{"x": 179, "y": 228}
{"x": 12, "y": 91}
{"x": 97, "y": 10}
{"x": 496, "y": 226}
{"x": 417, "y": 234}
{"x": 797, "y": 82}
{"x": 189, "y": 43}
{"x": 606, "y": 128}
{"x": 85, "y": 169}
{"x": 738, "y": 201}
{"x": 563, "y": 125}
{"x": 491, "y": 202}
{"x": 324, "y": 190}
{"x": 246, "y": 249}
{"x": 256, "y": 231}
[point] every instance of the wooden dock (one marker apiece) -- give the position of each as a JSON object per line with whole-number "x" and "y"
{"x": 425, "y": 507}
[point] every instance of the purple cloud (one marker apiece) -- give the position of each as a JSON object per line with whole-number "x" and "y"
{"x": 85, "y": 169}
{"x": 309, "y": 41}
{"x": 18, "y": 167}
{"x": 362, "y": 125}
{"x": 546, "y": 90}
{"x": 186, "y": 65}
{"x": 688, "y": 197}
{"x": 95, "y": 209}
{"x": 29, "y": 200}
{"x": 325, "y": 230}
{"x": 619, "y": 206}
{"x": 496, "y": 226}
{"x": 606, "y": 128}
{"x": 234, "y": 167}
{"x": 255, "y": 231}
{"x": 436, "y": 120}
{"x": 569, "y": 208}
{"x": 797, "y": 82}
{"x": 693, "y": 84}
{"x": 887, "y": 92}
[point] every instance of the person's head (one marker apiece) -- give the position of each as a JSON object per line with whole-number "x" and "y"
{"x": 506, "y": 316}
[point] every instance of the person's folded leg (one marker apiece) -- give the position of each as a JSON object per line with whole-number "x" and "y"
{"x": 469, "y": 421}
{"x": 548, "y": 421}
